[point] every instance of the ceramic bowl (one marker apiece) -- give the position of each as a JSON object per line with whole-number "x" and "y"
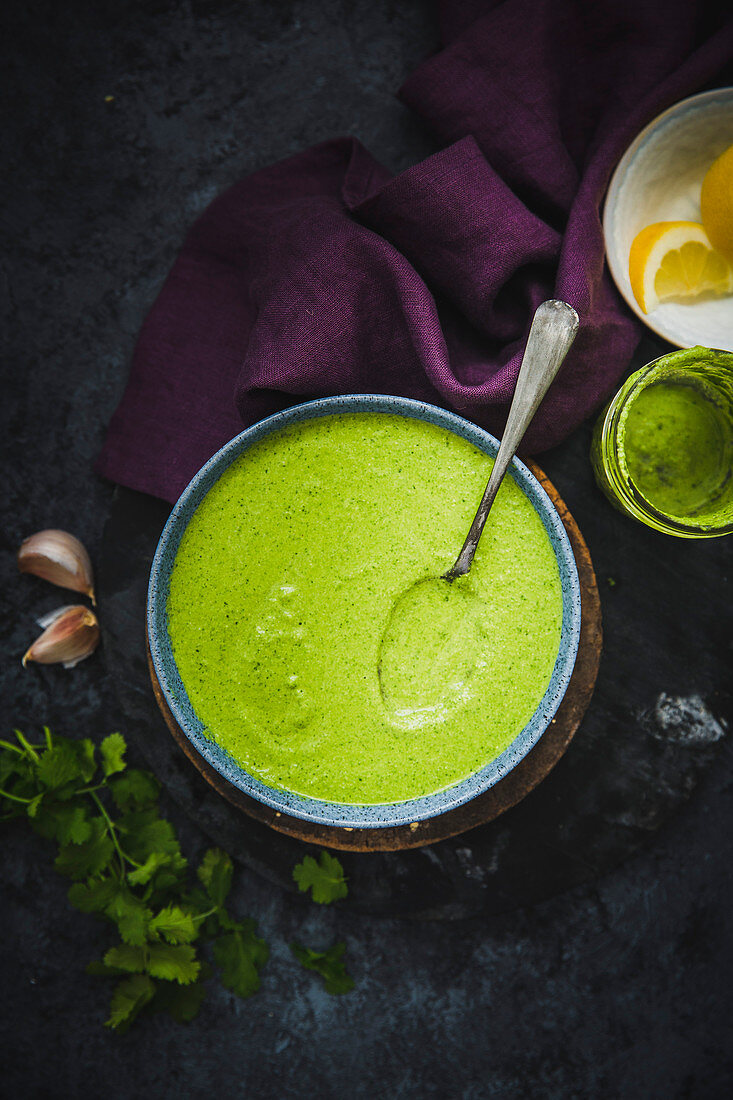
{"x": 384, "y": 815}
{"x": 659, "y": 179}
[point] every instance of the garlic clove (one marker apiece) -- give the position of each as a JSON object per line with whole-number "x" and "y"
{"x": 71, "y": 634}
{"x": 58, "y": 557}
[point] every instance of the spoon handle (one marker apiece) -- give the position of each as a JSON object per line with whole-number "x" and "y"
{"x": 554, "y": 327}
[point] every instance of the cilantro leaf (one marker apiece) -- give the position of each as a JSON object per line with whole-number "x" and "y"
{"x": 173, "y": 963}
{"x": 198, "y": 902}
{"x": 145, "y": 833}
{"x": 66, "y": 822}
{"x": 112, "y": 899}
{"x": 66, "y": 764}
{"x": 325, "y": 878}
{"x": 215, "y": 872}
{"x": 130, "y": 996}
{"x": 170, "y": 876}
{"x": 73, "y": 826}
{"x": 93, "y": 896}
{"x": 113, "y": 748}
{"x": 80, "y": 861}
{"x": 240, "y": 957}
{"x": 160, "y": 960}
{"x": 130, "y": 914}
{"x": 143, "y": 874}
{"x": 126, "y": 956}
{"x": 197, "y": 899}
{"x": 59, "y": 766}
{"x": 135, "y": 790}
{"x": 85, "y": 756}
{"x": 329, "y": 964}
{"x": 133, "y": 925}
{"x": 225, "y": 922}
{"x": 174, "y": 925}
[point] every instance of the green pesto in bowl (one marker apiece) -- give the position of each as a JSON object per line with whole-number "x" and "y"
{"x": 283, "y": 586}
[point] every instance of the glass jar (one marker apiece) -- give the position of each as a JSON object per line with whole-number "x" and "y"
{"x": 662, "y": 449}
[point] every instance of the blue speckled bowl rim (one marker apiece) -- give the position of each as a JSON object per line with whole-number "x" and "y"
{"x": 382, "y": 815}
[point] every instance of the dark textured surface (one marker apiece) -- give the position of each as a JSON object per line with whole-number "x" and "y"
{"x": 619, "y": 987}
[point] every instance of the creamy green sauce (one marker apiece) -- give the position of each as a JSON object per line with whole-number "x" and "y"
{"x": 678, "y": 442}
{"x": 295, "y": 610}
{"x": 675, "y": 436}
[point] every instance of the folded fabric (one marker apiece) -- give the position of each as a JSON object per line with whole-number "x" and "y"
{"x": 324, "y": 275}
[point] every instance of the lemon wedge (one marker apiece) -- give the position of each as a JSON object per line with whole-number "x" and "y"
{"x": 716, "y": 202}
{"x": 676, "y": 260}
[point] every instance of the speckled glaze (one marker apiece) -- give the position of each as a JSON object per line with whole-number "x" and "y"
{"x": 383, "y": 815}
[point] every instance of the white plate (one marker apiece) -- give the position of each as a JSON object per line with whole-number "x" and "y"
{"x": 659, "y": 179}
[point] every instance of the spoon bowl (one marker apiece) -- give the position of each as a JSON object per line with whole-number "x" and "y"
{"x": 454, "y": 633}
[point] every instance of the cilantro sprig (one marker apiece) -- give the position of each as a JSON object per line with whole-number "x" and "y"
{"x": 127, "y": 869}
{"x": 324, "y": 878}
{"x": 329, "y": 964}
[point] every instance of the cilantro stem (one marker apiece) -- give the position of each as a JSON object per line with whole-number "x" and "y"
{"x": 47, "y": 735}
{"x": 15, "y": 798}
{"x": 123, "y": 856}
{"x": 13, "y": 748}
{"x": 28, "y": 747}
{"x": 203, "y": 916}
{"x": 89, "y": 790}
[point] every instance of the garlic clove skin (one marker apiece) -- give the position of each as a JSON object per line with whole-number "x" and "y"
{"x": 71, "y": 634}
{"x": 58, "y": 557}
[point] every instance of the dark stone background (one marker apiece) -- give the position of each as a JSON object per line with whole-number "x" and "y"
{"x": 618, "y": 988}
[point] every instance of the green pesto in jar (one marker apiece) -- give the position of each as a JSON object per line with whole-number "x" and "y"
{"x": 282, "y": 602}
{"x": 677, "y": 442}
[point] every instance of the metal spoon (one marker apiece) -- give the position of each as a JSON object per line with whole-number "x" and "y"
{"x": 441, "y": 627}
{"x": 554, "y": 327}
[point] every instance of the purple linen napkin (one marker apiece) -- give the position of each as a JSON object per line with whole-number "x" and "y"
{"x": 324, "y": 275}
